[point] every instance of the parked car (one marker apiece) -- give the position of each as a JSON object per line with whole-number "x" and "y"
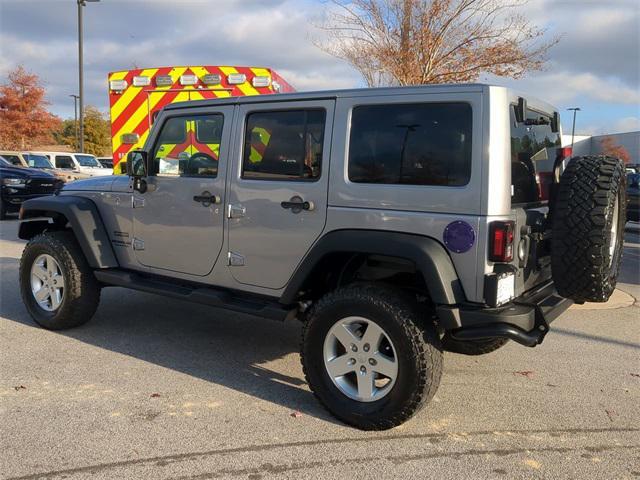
{"x": 35, "y": 160}
{"x": 18, "y": 183}
{"x": 633, "y": 197}
{"x": 395, "y": 223}
{"x": 83, "y": 165}
{"x": 106, "y": 162}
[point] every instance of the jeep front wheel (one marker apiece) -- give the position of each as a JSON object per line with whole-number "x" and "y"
{"x": 368, "y": 357}
{"x": 56, "y": 283}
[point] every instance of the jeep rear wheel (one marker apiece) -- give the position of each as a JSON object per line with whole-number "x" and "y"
{"x": 588, "y": 228}
{"x": 56, "y": 283}
{"x": 368, "y": 357}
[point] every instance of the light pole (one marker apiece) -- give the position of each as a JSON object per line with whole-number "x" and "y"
{"x": 75, "y": 114}
{"x": 573, "y": 129}
{"x": 81, "y": 3}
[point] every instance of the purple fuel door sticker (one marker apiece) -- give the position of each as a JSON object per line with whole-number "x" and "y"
{"x": 459, "y": 236}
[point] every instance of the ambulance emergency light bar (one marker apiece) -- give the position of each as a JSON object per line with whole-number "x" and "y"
{"x": 208, "y": 79}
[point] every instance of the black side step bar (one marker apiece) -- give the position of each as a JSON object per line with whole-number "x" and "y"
{"x": 196, "y": 294}
{"x": 502, "y": 330}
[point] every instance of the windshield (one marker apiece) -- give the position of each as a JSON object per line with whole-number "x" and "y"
{"x": 37, "y": 161}
{"x": 88, "y": 161}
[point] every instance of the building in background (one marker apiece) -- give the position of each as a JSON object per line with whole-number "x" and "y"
{"x": 593, "y": 145}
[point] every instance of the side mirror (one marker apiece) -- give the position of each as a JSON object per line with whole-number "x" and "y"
{"x": 137, "y": 169}
{"x": 137, "y": 163}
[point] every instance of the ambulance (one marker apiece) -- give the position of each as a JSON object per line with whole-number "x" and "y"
{"x": 136, "y": 96}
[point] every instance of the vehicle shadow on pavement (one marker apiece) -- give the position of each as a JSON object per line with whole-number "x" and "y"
{"x": 228, "y": 349}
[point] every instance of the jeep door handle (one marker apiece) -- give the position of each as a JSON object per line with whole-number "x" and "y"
{"x": 206, "y": 199}
{"x": 297, "y": 204}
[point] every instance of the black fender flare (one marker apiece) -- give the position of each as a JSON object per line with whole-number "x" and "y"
{"x": 429, "y": 256}
{"x": 83, "y": 218}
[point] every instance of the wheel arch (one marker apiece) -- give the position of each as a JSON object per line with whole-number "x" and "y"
{"x": 78, "y": 214}
{"x": 428, "y": 255}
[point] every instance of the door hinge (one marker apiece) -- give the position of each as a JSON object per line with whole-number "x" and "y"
{"x": 235, "y": 211}
{"x": 235, "y": 259}
{"x": 138, "y": 244}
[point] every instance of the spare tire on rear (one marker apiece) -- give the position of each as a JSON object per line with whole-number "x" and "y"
{"x": 588, "y": 221}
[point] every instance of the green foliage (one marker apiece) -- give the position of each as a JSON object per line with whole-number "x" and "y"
{"x": 97, "y": 133}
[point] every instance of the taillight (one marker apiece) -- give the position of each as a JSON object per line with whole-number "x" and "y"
{"x": 566, "y": 152}
{"x": 501, "y": 241}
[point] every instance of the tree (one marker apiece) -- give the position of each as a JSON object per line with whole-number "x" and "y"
{"x": 609, "y": 147}
{"x": 411, "y": 42}
{"x": 24, "y": 118}
{"x": 97, "y": 133}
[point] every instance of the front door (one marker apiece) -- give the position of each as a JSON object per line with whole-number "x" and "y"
{"x": 178, "y": 221}
{"x": 278, "y": 188}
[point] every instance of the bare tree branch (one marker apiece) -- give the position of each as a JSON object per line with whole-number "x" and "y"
{"x": 408, "y": 42}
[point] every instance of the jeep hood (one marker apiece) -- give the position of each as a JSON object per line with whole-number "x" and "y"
{"x": 92, "y": 184}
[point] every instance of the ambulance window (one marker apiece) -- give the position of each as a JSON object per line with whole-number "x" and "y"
{"x": 189, "y": 146}
{"x": 283, "y": 145}
{"x": 64, "y": 161}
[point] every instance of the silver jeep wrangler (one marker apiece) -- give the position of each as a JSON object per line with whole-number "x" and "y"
{"x": 395, "y": 223}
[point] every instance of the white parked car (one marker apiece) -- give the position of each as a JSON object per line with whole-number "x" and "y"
{"x": 83, "y": 163}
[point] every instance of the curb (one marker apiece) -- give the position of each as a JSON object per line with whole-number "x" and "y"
{"x": 619, "y": 299}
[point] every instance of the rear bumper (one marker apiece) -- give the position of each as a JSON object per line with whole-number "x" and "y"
{"x": 525, "y": 320}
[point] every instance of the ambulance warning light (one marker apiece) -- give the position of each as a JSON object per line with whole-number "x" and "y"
{"x": 188, "y": 80}
{"x": 211, "y": 79}
{"x": 261, "y": 81}
{"x": 164, "y": 81}
{"x": 236, "y": 78}
{"x": 140, "y": 81}
{"x": 118, "y": 85}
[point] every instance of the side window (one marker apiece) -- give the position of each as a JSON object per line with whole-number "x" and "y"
{"x": 414, "y": 144}
{"x": 13, "y": 159}
{"x": 64, "y": 161}
{"x": 283, "y": 145}
{"x": 189, "y": 146}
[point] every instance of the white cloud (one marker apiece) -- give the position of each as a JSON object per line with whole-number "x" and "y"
{"x": 626, "y": 124}
{"x": 596, "y": 60}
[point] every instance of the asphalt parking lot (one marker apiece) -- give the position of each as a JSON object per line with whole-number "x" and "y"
{"x": 157, "y": 388}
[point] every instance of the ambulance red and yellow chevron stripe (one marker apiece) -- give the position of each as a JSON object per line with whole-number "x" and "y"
{"x": 135, "y": 96}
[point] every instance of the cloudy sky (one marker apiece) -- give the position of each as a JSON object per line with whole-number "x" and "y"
{"x": 595, "y": 66}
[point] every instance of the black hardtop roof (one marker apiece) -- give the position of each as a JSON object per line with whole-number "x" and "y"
{"x": 332, "y": 94}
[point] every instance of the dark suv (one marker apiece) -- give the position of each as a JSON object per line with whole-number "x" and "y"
{"x": 18, "y": 184}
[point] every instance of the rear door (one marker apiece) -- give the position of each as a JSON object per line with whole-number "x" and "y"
{"x": 534, "y": 149}
{"x": 278, "y": 188}
{"x": 178, "y": 222}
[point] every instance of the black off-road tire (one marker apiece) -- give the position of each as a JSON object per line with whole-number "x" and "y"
{"x": 472, "y": 347}
{"x": 81, "y": 292}
{"x": 418, "y": 351}
{"x": 583, "y": 217}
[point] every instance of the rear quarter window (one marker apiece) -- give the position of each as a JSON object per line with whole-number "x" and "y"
{"x": 534, "y": 147}
{"x": 414, "y": 144}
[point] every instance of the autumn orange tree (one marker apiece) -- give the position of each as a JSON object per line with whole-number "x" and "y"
{"x": 609, "y": 147}
{"x": 24, "y": 118}
{"x": 410, "y": 42}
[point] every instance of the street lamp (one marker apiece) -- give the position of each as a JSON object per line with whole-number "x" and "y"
{"x": 573, "y": 129}
{"x": 75, "y": 114}
{"x": 81, "y": 3}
